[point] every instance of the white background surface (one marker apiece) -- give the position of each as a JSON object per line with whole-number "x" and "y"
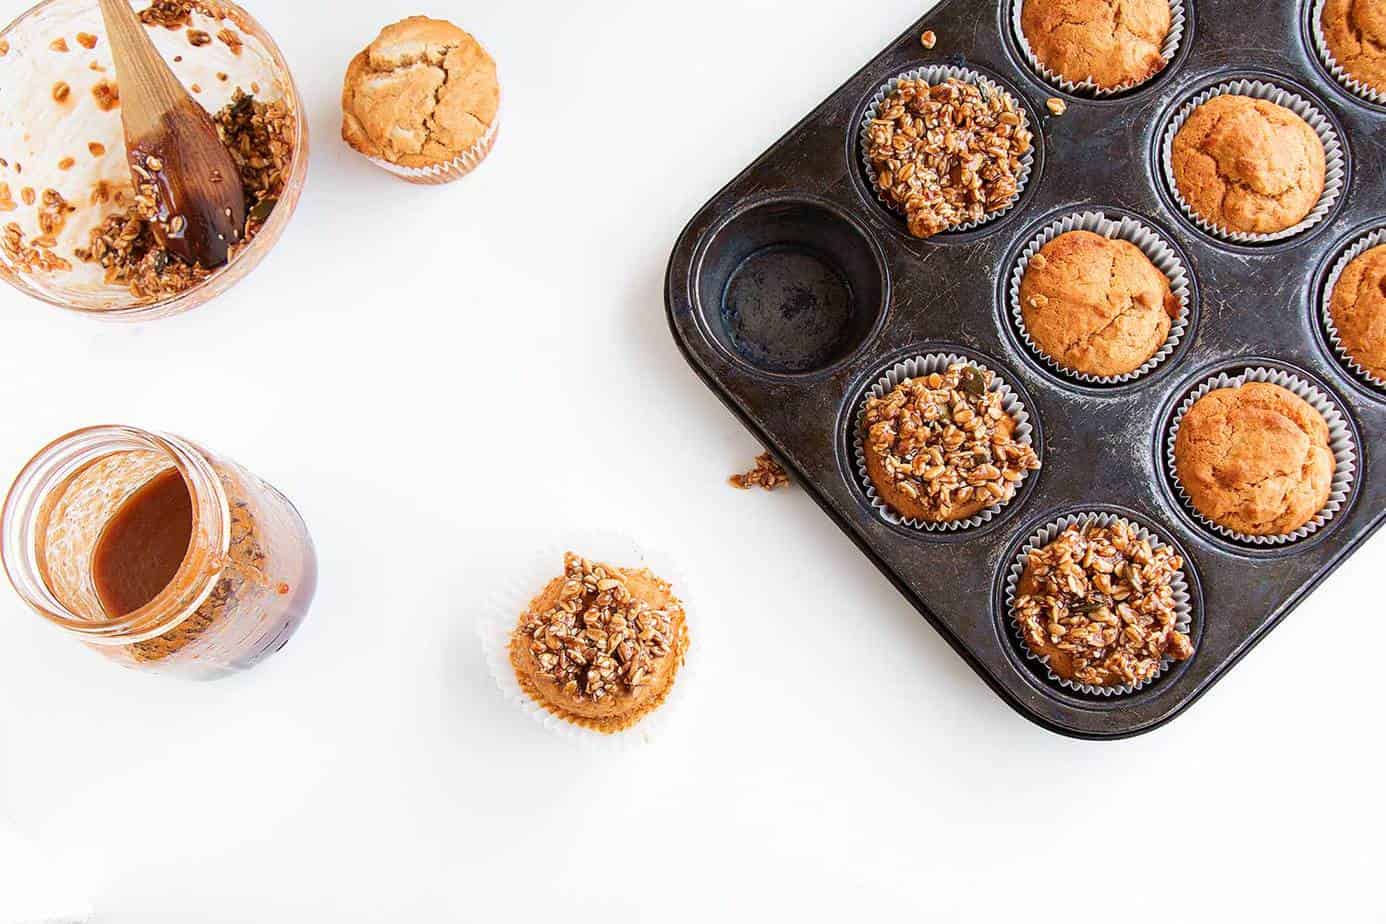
{"x": 444, "y": 378}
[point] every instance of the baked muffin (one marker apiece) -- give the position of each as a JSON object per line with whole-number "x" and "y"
{"x": 1110, "y": 44}
{"x": 941, "y": 448}
{"x": 1249, "y": 165}
{"x": 1355, "y": 31}
{"x": 1255, "y": 459}
{"x": 1358, "y": 310}
{"x": 422, "y": 100}
{"x": 1096, "y": 305}
{"x": 600, "y": 646}
{"x": 1098, "y": 602}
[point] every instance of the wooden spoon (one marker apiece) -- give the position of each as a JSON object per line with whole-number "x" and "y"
{"x": 171, "y": 142}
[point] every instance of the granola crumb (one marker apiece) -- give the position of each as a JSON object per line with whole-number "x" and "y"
{"x": 1056, "y": 106}
{"x": 767, "y": 474}
{"x": 928, "y": 39}
{"x": 58, "y": 44}
{"x": 66, "y": 163}
{"x": 232, "y": 40}
{"x": 4, "y": 47}
{"x": 96, "y": 148}
{"x": 86, "y": 40}
{"x": 61, "y": 91}
{"x": 197, "y": 38}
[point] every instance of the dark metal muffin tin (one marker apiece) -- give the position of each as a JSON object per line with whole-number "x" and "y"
{"x": 801, "y": 230}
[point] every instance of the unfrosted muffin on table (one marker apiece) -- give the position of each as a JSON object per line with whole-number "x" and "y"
{"x": 1096, "y": 305}
{"x": 1355, "y": 31}
{"x": 1357, "y": 310}
{"x": 1255, "y": 459}
{"x": 422, "y": 101}
{"x": 1248, "y": 165}
{"x": 1108, "y": 43}
{"x": 941, "y": 447}
{"x": 600, "y": 646}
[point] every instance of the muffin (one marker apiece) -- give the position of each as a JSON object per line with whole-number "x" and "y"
{"x": 422, "y": 101}
{"x": 600, "y": 646}
{"x": 1249, "y": 165}
{"x": 947, "y": 155}
{"x": 941, "y": 448}
{"x": 1098, "y": 603}
{"x": 1357, "y": 310}
{"x": 1355, "y": 32}
{"x": 1110, "y": 44}
{"x": 1255, "y": 459}
{"x": 1096, "y": 305}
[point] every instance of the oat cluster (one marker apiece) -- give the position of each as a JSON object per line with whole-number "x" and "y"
{"x": 945, "y": 442}
{"x": 946, "y": 154}
{"x": 37, "y": 254}
{"x": 767, "y": 474}
{"x": 260, "y": 138}
{"x": 598, "y": 641}
{"x": 1099, "y": 602}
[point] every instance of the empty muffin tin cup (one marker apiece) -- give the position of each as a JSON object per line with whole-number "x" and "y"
{"x": 502, "y": 610}
{"x": 791, "y": 286}
{"x": 1179, "y": 584}
{"x": 1168, "y": 50}
{"x": 1359, "y": 247}
{"x": 1334, "y": 161}
{"x": 913, "y": 368}
{"x": 1156, "y": 249}
{"x": 1340, "y": 73}
{"x": 934, "y": 75}
{"x": 1341, "y": 443}
{"x": 455, "y": 169}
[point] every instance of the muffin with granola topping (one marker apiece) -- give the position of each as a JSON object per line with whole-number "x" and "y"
{"x": 600, "y": 646}
{"x": 1098, "y": 605}
{"x": 942, "y": 448}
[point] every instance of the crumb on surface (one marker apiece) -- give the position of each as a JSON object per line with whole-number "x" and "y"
{"x": 766, "y": 474}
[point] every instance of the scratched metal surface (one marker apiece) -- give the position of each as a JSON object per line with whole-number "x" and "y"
{"x": 1100, "y": 446}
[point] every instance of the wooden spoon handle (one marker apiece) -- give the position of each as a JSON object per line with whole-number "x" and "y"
{"x": 148, "y": 86}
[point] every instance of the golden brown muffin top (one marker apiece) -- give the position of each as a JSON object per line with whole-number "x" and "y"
{"x": 941, "y": 447}
{"x": 600, "y": 645}
{"x": 1356, "y": 34}
{"x": 1358, "y": 310}
{"x": 1248, "y": 164}
{"x": 1098, "y": 602}
{"x": 1109, "y": 43}
{"x": 421, "y": 94}
{"x": 1096, "y": 305}
{"x": 1255, "y": 459}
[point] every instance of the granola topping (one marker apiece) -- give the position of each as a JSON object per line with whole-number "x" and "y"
{"x": 1098, "y": 601}
{"x": 599, "y": 642}
{"x": 945, "y": 443}
{"x": 767, "y": 474}
{"x": 946, "y": 154}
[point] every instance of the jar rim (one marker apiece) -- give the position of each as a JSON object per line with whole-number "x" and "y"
{"x": 61, "y": 459}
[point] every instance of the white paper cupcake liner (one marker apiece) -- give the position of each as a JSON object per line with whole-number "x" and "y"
{"x": 1361, "y": 246}
{"x": 502, "y": 613}
{"x": 1168, "y": 50}
{"x": 455, "y": 169}
{"x": 1156, "y": 249}
{"x": 1340, "y": 442}
{"x": 913, "y": 368}
{"x": 1310, "y": 113}
{"x": 935, "y": 75}
{"x": 1179, "y": 584}
{"x": 1339, "y": 72}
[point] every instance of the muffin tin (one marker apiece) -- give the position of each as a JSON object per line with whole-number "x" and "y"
{"x": 794, "y": 288}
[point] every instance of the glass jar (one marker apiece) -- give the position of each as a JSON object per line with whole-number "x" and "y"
{"x": 241, "y": 589}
